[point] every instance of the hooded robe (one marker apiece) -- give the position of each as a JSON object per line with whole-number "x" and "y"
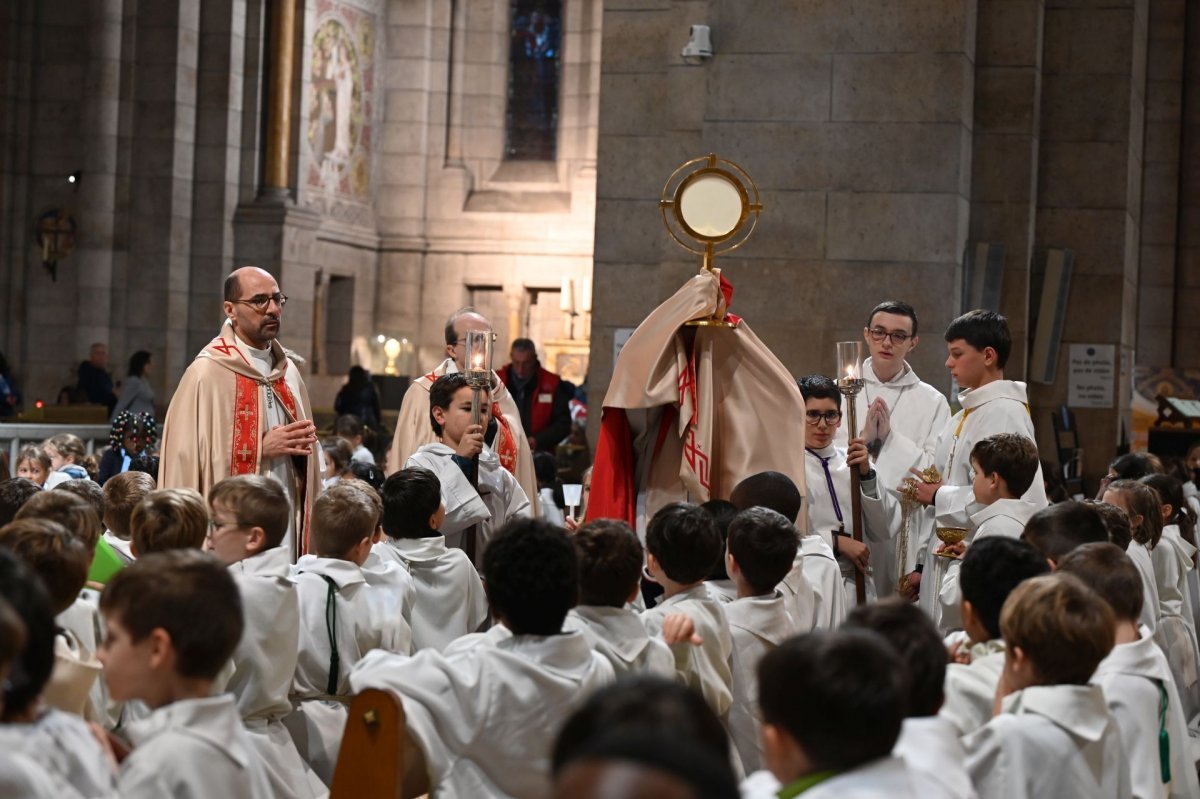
{"x": 692, "y": 411}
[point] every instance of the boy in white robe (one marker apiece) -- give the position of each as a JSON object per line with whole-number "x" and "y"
{"x": 610, "y": 573}
{"x": 342, "y": 617}
{"x": 720, "y": 586}
{"x": 173, "y": 620}
{"x": 978, "y": 344}
{"x": 497, "y": 496}
{"x": 75, "y": 686}
{"x": 760, "y": 550}
{"x": 448, "y": 598}
{"x": 1004, "y": 465}
{"x": 122, "y": 493}
{"x": 60, "y": 743}
{"x": 1053, "y": 734}
{"x": 832, "y": 705}
{"x": 682, "y": 543}
{"x": 481, "y": 721}
{"x": 827, "y": 470}
{"x": 1136, "y": 679}
{"x": 249, "y": 522}
{"x": 991, "y": 569}
{"x": 900, "y": 418}
{"x": 928, "y": 743}
{"x": 814, "y": 585}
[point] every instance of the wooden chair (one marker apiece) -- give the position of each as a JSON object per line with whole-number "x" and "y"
{"x": 376, "y": 758}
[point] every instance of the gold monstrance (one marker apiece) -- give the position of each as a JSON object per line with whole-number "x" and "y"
{"x": 710, "y": 202}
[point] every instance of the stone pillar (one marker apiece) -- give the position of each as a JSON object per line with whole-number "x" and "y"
{"x": 1090, "y": 196}
{"x": 1004, "y": 168}
{"x": 281, "y": 70}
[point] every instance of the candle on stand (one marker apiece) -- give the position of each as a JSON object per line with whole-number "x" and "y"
{"x": 586, "y": 299}
{"x": 566, "y": 300}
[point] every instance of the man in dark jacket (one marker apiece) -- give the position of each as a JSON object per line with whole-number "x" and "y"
{"x": 542, "y": 397}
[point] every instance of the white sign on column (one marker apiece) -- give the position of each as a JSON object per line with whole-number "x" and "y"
{"x": 1092, "y": 374}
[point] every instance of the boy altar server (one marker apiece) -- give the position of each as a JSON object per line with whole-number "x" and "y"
{"x": 342, "y": 617}
{"x": 827, "y": 473}
{"x": 610, "y": 577}
{"x": 484, "y": 718}
{"x": 1052, "y": 734}
{"x": 899, "y": 417}
{"x": 832, "y": 706}
{"x": 249, "y": 521}
{"x": 1136, "y": 679}
{"x": 173, "y": 620}
{"x": 497, "y": 497}
{"x": 928, "y": 743}
{"x": 760, "y": 549}
{"x": 448, "y": 597}
{"x": 1005, "y": 465}
{"x": 682, "y": 544}
{"x": 814, "y": 584}
{"x": 991, "y": 569}
{"x": 978, "y": 343}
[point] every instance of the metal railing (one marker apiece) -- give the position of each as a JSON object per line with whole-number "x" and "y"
{"x": 95, "y": 436}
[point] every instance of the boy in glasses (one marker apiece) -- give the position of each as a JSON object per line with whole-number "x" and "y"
{"x": 978, "y": 344}
{"x": 899, "y": 417}
{"x": 827, "y": 473}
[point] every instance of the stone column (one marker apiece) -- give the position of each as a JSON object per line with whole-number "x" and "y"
{"x": 276, "y": 183}
{"x": 1090, "y": 197}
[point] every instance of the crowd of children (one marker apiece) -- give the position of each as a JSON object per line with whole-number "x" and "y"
{"x": 162, "y": 643}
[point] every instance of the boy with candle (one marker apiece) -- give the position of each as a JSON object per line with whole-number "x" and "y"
{"x": 827, "y": 472}
{"x": 497, "y": 496}
{"x": 978, "y": 344}
{"x": 897, "y": 414}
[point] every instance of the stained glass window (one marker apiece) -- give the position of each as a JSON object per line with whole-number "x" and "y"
{"x": 535, "y": 66}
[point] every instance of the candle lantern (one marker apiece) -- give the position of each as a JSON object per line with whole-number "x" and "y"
{"x": 478, "y": 362}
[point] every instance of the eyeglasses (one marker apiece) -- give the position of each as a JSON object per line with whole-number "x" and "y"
{"x": 214, "y": 525}
{"x": 878, "y": 334}
{"x": 261, "y": 302}
{"x": 814, "y": 417}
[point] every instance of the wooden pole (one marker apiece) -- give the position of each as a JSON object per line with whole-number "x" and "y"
{"x": 860, "y": 585}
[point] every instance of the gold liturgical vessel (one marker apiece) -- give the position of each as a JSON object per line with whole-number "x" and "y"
{"x": 710, "y": 206}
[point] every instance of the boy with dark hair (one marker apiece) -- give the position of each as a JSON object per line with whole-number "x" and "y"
{"x": 448, "y": 599}
{"x": 899, "y": 417}
{"x": 81, "y": 621}
{"x": 342, "y": 617}
{"x": 57, "y": 743}
{"x": 1052, "y": 733}
{"x": 978, "y": 344}
{"x": 760, "y": 550}
{"x": 1057, "y": 529}
{"x": 827, "y": 472}
{"x": 350, "y": 427}
{"x": 122, "y": 493}
{"x": 1136, "y": 678}
{"x": 169, "y": 518}
{"x": 250, "y": 516}
{"x": 719, "y": 584}
{"x": 1116, "y": 521}
{"x": 14, "y": 493}
{"x": 928, "y": 743}
{"x": 482, "y": 720}
{"x": 991, "y": 569}
{"x": 173, "y": 620}
{"x": 497, "y": 496}
{"x": 814, "y": 584}
{"x": 682, "y": 544}
{"x": 1004, "y": 465}
{"x": 833, "y": 704}
{"x": 610, "y": 573}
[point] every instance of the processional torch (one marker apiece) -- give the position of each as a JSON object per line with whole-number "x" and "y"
{"x": 478, "y": 360}
{"x": 850, "y": 383}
